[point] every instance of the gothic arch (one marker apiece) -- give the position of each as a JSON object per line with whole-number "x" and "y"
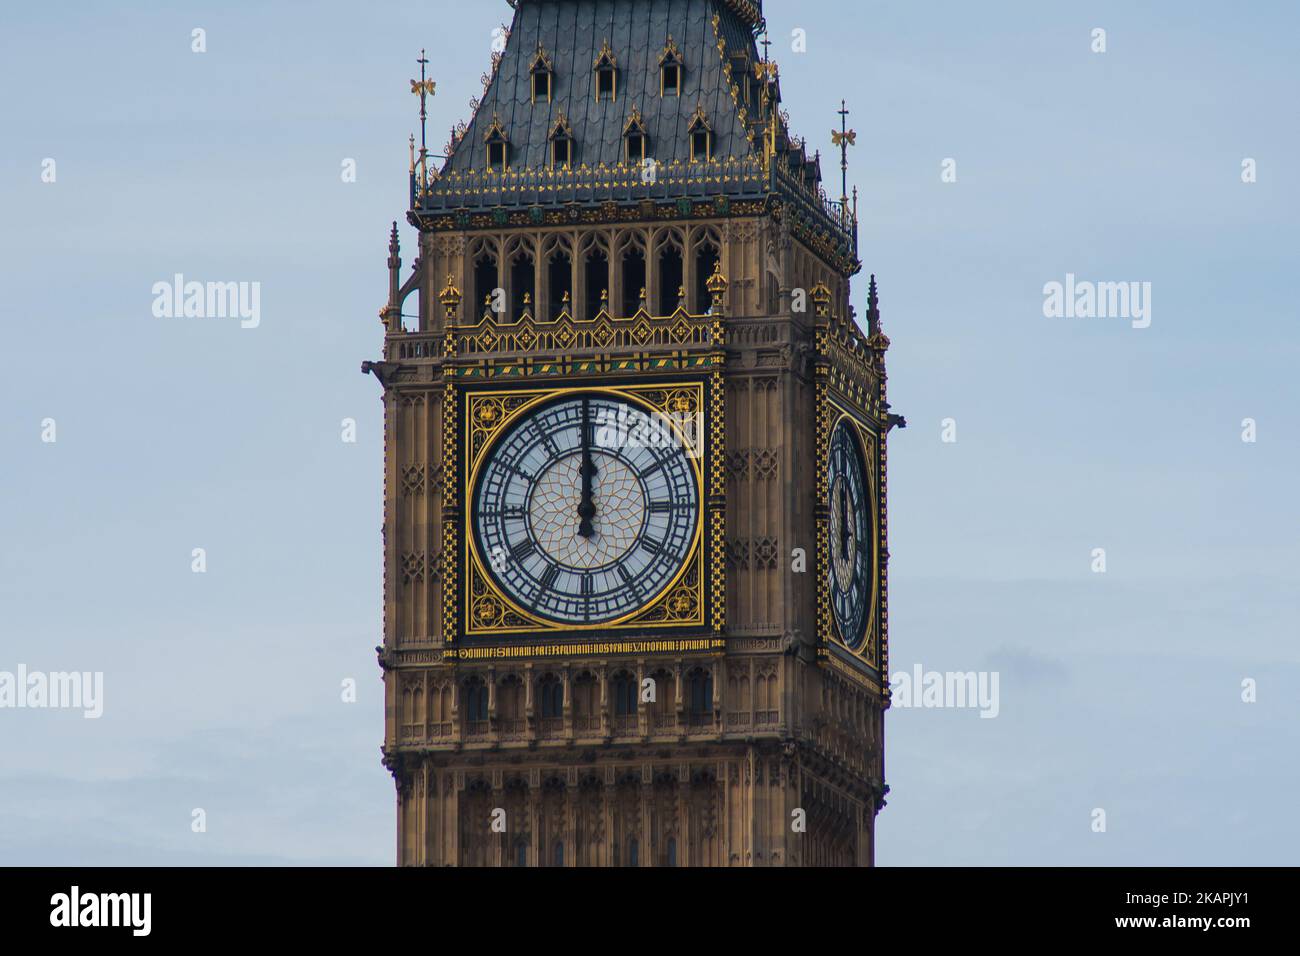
{"x": 483, "y": 258}
{"x": 595, "y": 261}
{"x": 631, "y": 256}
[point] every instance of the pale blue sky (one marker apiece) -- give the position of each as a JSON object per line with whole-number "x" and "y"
{"x": 1119, "y": 691}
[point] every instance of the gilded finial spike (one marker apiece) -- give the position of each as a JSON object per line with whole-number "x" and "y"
{"x": 450, "y": 296}
{"x": 717, "y": 283}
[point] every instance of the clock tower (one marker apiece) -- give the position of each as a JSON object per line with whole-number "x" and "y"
{"x": 635, "y": 606}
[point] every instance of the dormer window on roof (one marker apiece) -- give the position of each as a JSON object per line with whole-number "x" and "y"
{"x": 543, "y": 76}
{"x": 635, "y": 140}
{"x": 498, "y": 146}
{"x": 606, "y": 74}
{"x": 701, "y": 136}
{"x": 561, "y": 139}
{"x": 671, "y": 69}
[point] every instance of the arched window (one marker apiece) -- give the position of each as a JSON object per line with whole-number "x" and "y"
{"x": 663, "y": 707}
{"x": 510, "y": 704}
{"x": 633, "y": 848}
{"x": 485, "y": 282}
{"x": 521, "y": 853}
{"x": 595, "y": 263}
{"x": 633, "y": 279}
{"x": 523, "y": 274}
{"x": 624, "y": 694}
{"x": 557, "y": 853}
{"x": 670, "y": 853}
{"x": 699, "y": 693}
{"x": 586, "y": 699}
{"x": 706, "y": 260}
{"x": 476, "y": 706}
{"x": 668, "y": 268}
{"x": 552, "y": 695}
{"x": 559, "y": 277}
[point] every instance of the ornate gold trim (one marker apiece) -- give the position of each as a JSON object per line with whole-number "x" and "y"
{"x": 835, "y": 414}
{"x": 487, "y": 610}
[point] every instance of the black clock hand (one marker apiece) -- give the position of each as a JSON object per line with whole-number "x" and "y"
{"x": 586, "y": 508}
{"x": 844, "y": 521}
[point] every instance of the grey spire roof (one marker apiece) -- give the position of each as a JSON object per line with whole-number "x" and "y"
{"x": 572, "y": 32}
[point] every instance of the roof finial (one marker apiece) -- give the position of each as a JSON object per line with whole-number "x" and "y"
{"x": 873, "y": 305}
{"x": 423, "y": 88}
{"x": 844, "y": 138}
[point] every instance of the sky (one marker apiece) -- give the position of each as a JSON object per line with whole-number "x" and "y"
{"x": 1119, "y": 691}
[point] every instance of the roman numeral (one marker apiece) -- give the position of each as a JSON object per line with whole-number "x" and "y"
{"x": 586, "y": 589}
{"x": 549, "y": 578}
{"x": 629, "y": 581}
{"x": 513, "y": 511}
{"x": 662, "y": 507}
{"x": 522, "y": 550}
{"x": 545, "y": 438}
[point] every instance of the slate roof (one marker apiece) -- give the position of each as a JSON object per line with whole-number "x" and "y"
{"x": 572, "y": 32}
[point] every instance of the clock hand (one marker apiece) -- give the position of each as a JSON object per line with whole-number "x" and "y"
{"x": 586, "y": 507}
{"x": 844, "y": 522}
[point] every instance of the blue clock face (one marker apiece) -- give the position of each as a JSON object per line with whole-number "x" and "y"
{"x": 851, "y": 536}
{"x": 585, "y": 509}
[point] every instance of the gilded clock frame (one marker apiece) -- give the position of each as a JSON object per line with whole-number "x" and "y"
{"x": 831, "y": 414}
{"x": 484, "y": 611}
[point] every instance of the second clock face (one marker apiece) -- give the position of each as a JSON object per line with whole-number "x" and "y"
{"x": 850, "y": 535}
{"x": 585, "y": 509}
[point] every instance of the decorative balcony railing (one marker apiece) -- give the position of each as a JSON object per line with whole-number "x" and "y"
{"x": 480, "y": 189}
{"x": 490, "y": 335}
{"x": 720, "y": 180}
{"x": 587, "y": 725}
{"x": 626, "y": 723}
